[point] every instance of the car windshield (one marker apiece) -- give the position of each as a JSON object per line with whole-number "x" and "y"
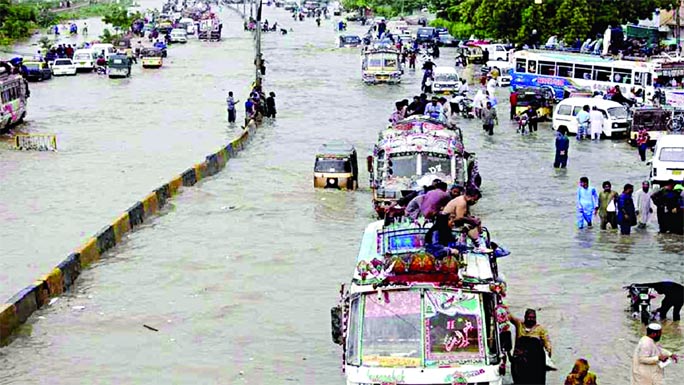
{"x": 433, "y": 164}
{"x": 83, "y": 56}
{"x": 332, "y": 165}
{"x": 672, "y": 154}
{"x": 32, "y": 66}
{"x": 618, "y": 112}
{"x": 63, "y": 62}
{"x": 402, "y": 166}
{"x": 446, "y": 77}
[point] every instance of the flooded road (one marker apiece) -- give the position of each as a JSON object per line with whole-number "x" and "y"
{"x": 118, "y": 139}
{"x": 240, "y": 271}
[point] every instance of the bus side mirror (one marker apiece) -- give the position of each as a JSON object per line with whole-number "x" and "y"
{"x": 369, "y": 162}
{"x": 337, "y": 324}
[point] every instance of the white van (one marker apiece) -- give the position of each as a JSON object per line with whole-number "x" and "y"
{"x": 446, "y": 80}
{"x": 85, "y": 59}
{"x": 496, "y": 51}
{"x": 668, "y": 159}
{"x": 615, "y": 115}
{"x": 107, "y": 48}
{"x": 502, "y": 67}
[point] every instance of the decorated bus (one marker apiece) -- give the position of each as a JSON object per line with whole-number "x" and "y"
{"x": 412, "y": 153}
{"x": 408, "y": 318}
{"x": 14, "y": 94}
{"x": 558, "y": 70}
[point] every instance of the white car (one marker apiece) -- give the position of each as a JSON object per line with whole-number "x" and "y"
{"x": 190, "y": 26}
{"x": 615, "y": 116}
{"x": 179, "y": 35}
{"x": 63, "y": 66}
{"x": 668, "y": 159}
{"x": 85, "y": 59}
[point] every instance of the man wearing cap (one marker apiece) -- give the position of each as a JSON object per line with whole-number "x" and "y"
{"x": 648, "y": 359}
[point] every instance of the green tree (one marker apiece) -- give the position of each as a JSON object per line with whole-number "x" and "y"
{"x": 119, "y": 18}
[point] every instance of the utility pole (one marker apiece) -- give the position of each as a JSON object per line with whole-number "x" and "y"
{"x": 679, "y": 31}
{"x": 251, "y": 8}
{"x": 244, "y": 8}
{"x": 257, "y": 59}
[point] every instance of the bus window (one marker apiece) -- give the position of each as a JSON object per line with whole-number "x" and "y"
{"x": 547, "y": 68}
{"x": 565, "y": 70}
{"x": 520, "y": 66}
{"x": 621, "y": 75}
{"x": 648, "y": 79}
{"x": 532, "y": 66}
{"x": 602, "y": 74}
{"x": 582, "y": 72}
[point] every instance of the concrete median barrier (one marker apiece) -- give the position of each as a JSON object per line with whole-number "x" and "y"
{"x": 62, "y": 278}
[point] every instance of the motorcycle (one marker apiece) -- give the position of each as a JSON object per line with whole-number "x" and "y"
{"x": 464, "y": 106}
{"x": 640, "y": 302}
{"x": 101, "y": 70}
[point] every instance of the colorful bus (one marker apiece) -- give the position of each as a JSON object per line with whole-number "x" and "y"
{"x": 13, "y": 94}
{"x": 557, "y": 70}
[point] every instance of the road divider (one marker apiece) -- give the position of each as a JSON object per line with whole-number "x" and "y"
{"x": 16, "y": 310}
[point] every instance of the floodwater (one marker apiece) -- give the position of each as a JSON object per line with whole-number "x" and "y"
{"x": 240, "y": 271}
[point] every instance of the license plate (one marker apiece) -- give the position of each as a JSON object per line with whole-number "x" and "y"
{"x": 82, "y": 63}
{"x": 643, "y": 296}
{"x": 677, "y": 172}
{"x": 383, "y": 77}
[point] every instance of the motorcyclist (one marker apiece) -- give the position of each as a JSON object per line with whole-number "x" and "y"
{"x": 674, "y": 297}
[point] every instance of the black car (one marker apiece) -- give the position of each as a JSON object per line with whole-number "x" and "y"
{"x": 445, "y": 39}
{"x": 37, "y": 71}
{"x": 426, "y": 35}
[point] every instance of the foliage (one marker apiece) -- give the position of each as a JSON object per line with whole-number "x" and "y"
{"x": 16, "y": 20}
{"x": 515, "y": 20}
{"x": 386, "y": 8}
{"x": 108, "y": 37}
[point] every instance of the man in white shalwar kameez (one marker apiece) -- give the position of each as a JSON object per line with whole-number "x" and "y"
{"x": 644, "y": 205}
{"x": 595, "y": 123}
{"x": 649, "y": 358}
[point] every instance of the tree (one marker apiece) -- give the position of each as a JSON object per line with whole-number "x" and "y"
{"x": 118, "y": 18}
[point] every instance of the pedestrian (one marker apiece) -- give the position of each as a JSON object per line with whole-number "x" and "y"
{"x": 587, "y": 203}
{"x": 583, "y": 119}
{"x": 580, "y": 374}
{"x": 667, "y": 203}
{"x": 513, "y": 99}
{"x": 562, "y": 146}
{"x": 607, "y": 209}
{"x": 489, "y": 119}
{"x": 485, "y": 56}
{"x": 427, "y": 84}
{"x": 674, "y": 298}
{"x": 596, "y": 120}
{"x": 477, "y": 102}
{"x": 250, "y": 110}
{"x": 270, "y": 105}
{"x": 532, "y": 118}
{"x": 412, "y": 60}
{"x": 642, "y": 142}
{"x": 644, "y": 205}
{"x": 649, "y": 359}
{"x": 230, "y": 101}
{"x": 532, "y": 346}
{"x": 626, "y": 215}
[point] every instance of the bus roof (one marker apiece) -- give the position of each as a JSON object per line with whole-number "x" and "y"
{"x": 580, "y": 58}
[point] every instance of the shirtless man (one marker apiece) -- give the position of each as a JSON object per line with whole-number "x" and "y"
{"x": 460, "y": 207}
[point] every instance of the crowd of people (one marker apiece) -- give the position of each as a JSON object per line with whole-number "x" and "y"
{"x": 630, "y": 209}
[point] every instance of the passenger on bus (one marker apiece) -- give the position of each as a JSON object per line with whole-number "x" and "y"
{"x": 440, "y": 236}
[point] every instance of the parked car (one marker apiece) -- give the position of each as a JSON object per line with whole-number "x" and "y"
{"x": 668, "y": 159}
{"x": 63, "y": 66}
{"x": 37, "y": 71}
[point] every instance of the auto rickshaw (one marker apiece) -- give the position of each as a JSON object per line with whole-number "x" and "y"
{"x": 122, "y": 45}
{"x": 656, "y": 120}
{"x": 119, "y": 66}
{"x": 538, "y": 99}
{"x": 336, "y": 167}
{"x": 151, "y": 57}
{"x": 472, "y": 53}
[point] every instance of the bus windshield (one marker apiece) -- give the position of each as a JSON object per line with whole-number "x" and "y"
{"x": 403, "y": 166}
{"x": 404, "y": 327}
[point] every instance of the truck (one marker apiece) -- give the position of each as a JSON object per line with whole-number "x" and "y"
{"x": 210, "y": 28}
{"x": 407, "y": 318}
